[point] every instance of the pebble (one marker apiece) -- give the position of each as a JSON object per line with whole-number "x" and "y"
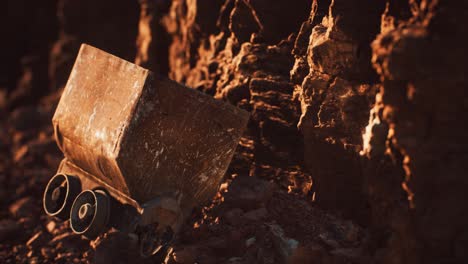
{"x": 63, "y": 237}
{"x": 249, "y": 242}
{"x": 34, "y": 260}
{"x": 51, "y": 226}
{"x": 37, "y": 239}
{"x": 21, "y": 153}
{"x": 284, "y": 245}
{"x": 47, "y": 252}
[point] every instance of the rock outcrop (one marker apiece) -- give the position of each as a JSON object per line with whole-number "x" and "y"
{"x": 423, "y": 103}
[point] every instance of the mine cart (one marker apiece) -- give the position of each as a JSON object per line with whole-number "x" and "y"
{"x": 140, "y": 151}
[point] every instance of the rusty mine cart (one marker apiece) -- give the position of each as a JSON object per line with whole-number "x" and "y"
{"x": 140, "y": 151}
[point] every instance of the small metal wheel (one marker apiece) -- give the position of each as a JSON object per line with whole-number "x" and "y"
{"x": 59, "y": 195}
{"x": 90, "y": 213}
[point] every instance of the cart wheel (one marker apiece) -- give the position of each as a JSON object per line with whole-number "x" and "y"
{"x": 90, "y": 213}
{"x": 59, "y": 195}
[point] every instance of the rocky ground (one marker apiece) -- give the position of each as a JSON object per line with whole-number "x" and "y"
{"x": 356, "y": 147}
{"x": 251, "y": 219}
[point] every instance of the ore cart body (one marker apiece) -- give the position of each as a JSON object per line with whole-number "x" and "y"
{"x": 140, "y": 150}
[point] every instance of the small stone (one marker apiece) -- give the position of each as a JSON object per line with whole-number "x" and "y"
{"x": 68, "y": 240}
{"x": 47, "y": 252}
{"x": 284, "y": 245}
{"x": 249, "y": 242}
{"x": 223, "y": 187}
{"x": 7, "y": 229}
{"x": 63, "y": 258}
{"x": 36, "y": 240}
{"x": 329, "y": 240}
{"x": 22, "y": 207}
{"x": 51, "y": 226}
{"x": 20, "y": 153}
{"x": 34, "y": 260}
{"x": 19, "y": 249}
{"x": 292, "y": 243}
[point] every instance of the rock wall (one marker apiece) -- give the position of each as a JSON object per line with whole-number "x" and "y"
{"x": 309, "y": 89}
{"x": 419, "y": 61}
{"x": 347, "y": 107}
{"x": 242, "y": 60}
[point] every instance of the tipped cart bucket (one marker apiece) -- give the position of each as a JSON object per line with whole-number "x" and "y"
{"x": 140, "y": 151}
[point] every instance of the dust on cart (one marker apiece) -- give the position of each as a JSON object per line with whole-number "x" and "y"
{"x": 140, "y": 151}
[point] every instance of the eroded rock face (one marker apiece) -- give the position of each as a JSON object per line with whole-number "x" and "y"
{"x": 245, "y": 59}
{"x": 334, "y": 97}
{"x": 420, "y": 64}
{"x": 153, "y": 40}
{"x": 336, "y": 85}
